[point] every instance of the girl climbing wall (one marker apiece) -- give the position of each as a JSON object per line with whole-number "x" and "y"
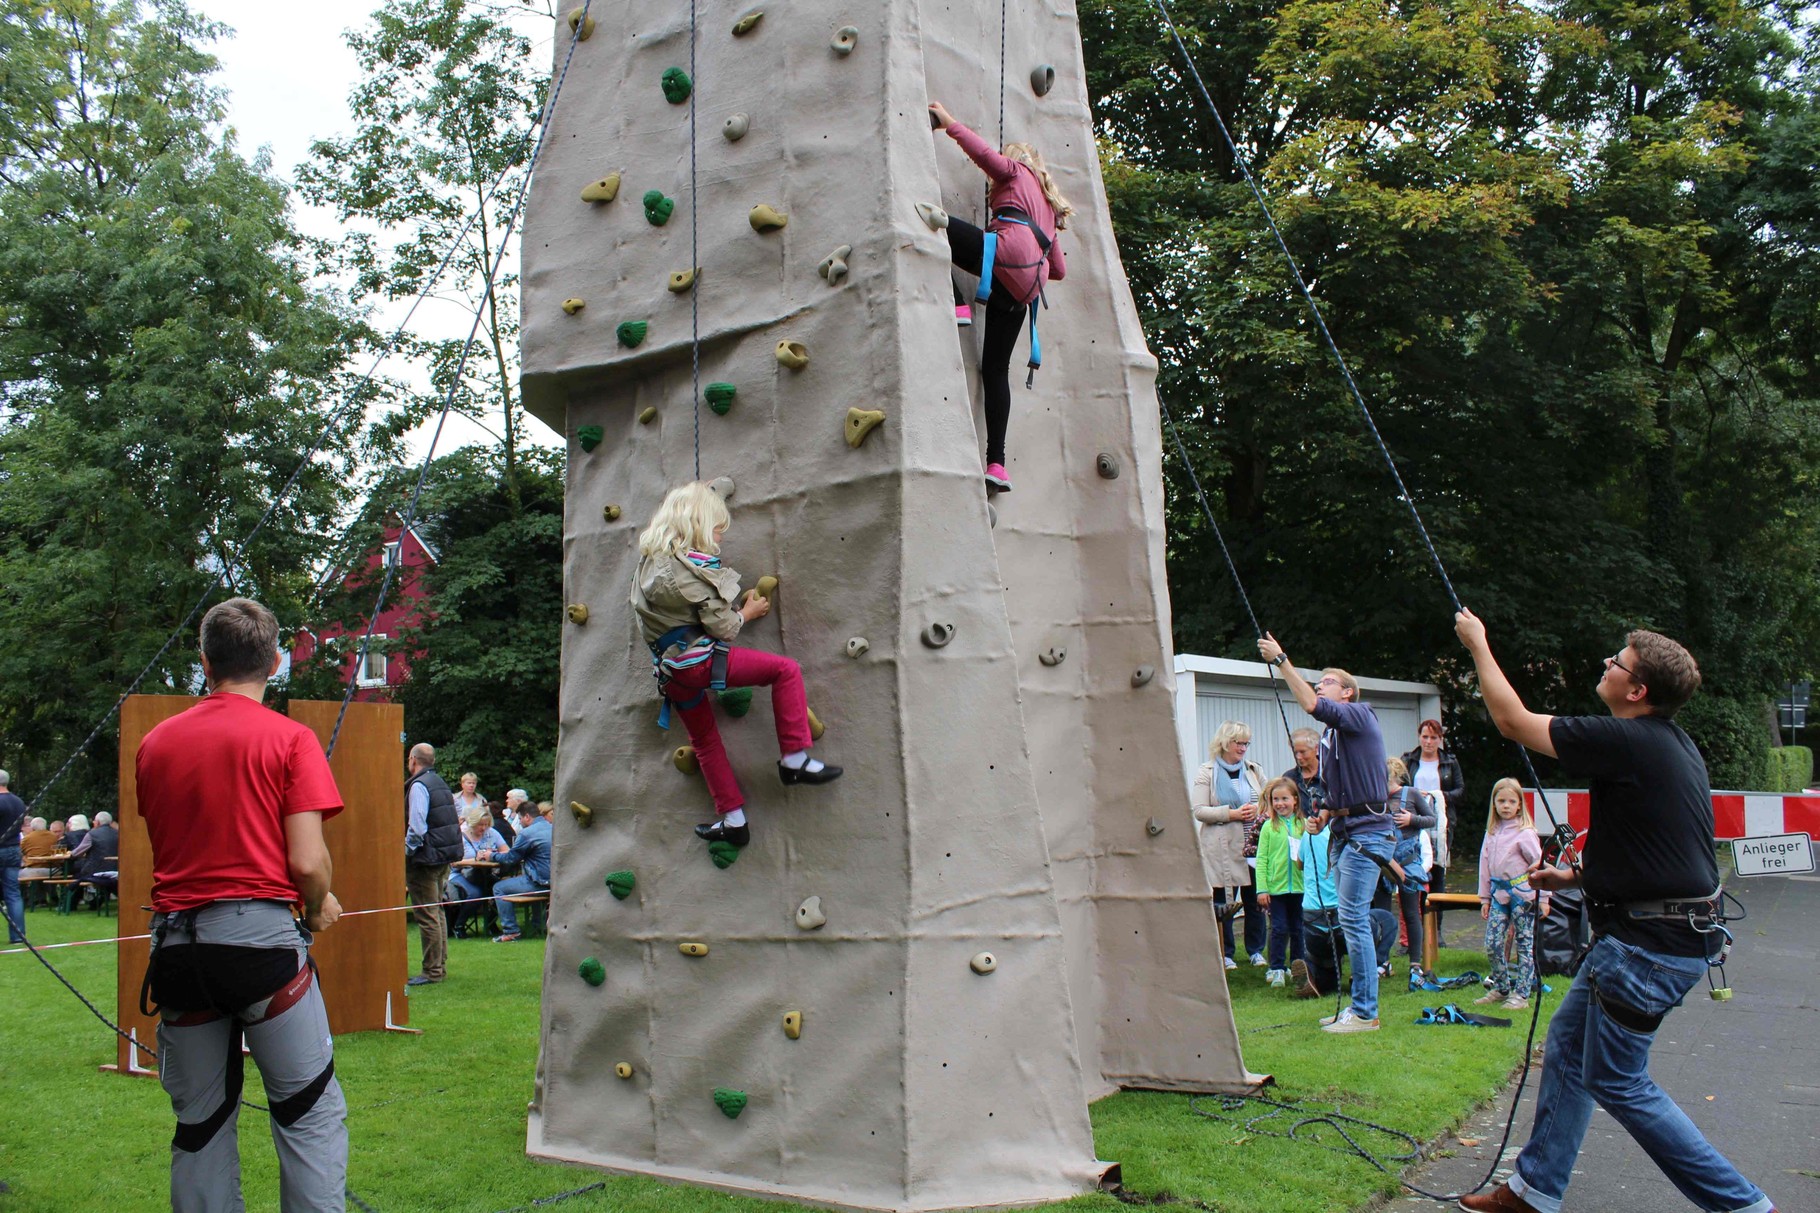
{"x": 684, "y": 599}
{"x": 1027, "y": 210}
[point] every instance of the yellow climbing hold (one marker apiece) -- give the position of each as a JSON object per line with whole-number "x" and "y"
{"x": 578, "y": 612}
{"x": 604, "y": 190}
{"x": 795, "y": 355}
{"x": 581, "y": 25}
{"x": 861, "y": 422}
{"x": 691, "y": 948}
{"x": 816, "y": 727}
{"x": 767, "y": 586}
{"x": 571, "y": 306}
{"x": 610, "y": 512}
{"x": 584, "y": 816}
{"x": 766, "y": 218}
{"x": 648, "y": 416}
{"x": 684, "y": 758}
{"x": 793, "y": 1024}
{"x": 748, "y": 23}
{"x": 623, "y": 1069}
{"x": 682, "y": 280}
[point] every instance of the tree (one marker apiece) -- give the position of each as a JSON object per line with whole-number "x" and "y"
{"x": 165, "y": 367}
{"x": 443, "y": 116}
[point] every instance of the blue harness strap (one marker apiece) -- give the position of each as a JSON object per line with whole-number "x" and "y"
{"x": 700, "y": 648}
{"x": 1013, "y": 215}
{"x": 988, "y": 254}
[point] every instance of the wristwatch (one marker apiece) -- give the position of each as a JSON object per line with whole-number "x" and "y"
{"x": 1279, "y": 659}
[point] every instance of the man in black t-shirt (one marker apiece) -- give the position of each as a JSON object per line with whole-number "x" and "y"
{"x": 12, "y": 821}
{"x": 1650, "y": 841}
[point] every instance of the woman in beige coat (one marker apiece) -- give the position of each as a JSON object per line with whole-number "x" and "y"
{"x": 1225, "y": 803}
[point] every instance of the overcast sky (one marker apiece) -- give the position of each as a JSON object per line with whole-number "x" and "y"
{"x": 288, "y": 72}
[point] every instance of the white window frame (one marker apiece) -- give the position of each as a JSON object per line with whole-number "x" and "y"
{"x": 394, "y": 553}
{"x": 375, "y": 654}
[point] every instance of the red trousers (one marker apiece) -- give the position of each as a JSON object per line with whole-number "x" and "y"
{"x": 745, "y": 668}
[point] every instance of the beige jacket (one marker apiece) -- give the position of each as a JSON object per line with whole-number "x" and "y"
{"x": 1222, "y": 834}
{"x": 669, "y": 592}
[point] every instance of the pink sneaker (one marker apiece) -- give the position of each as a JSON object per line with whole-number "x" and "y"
{"x": 997, "y": 479}
{"x": 963, "y": 314}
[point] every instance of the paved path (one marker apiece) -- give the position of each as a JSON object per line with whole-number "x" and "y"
{"x": 1747, "y": 1071}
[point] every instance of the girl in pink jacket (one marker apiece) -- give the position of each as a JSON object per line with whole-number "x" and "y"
{"x": 1027, "y": 211}
{"x": 1510, "y": 852}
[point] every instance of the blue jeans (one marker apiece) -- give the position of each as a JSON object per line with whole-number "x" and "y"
{"x": 508, "y": 921}
{"x": 1591, "y": 1058}
{"x": 1355, "y": 877}
{"x": 1285, "y": 929}
{"x": 10, "y": 901}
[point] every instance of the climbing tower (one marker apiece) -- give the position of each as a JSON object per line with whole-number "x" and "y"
{"x": 904, "y": 993}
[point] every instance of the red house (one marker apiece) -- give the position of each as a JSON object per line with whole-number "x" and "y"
{"x": 382, "y": 671}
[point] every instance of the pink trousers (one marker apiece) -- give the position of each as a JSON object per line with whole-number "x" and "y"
{"x": 745, "y": 668}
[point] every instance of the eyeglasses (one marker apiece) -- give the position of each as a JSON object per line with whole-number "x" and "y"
{"x": 1613, "y": 660}
{"x": 1330, "y": 680}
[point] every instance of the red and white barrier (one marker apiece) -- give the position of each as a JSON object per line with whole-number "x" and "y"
{"x": 1735, "y": 814}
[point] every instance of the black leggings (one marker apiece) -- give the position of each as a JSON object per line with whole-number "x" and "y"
{"x": 1004, "y": 321}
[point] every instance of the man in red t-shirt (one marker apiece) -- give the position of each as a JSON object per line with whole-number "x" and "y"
{"x": 233, "y": 796}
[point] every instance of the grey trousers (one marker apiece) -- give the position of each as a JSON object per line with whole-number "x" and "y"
{"x": 201, "y": 1067}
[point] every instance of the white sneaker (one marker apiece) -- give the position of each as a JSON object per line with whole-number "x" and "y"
{"x": 1327, "y": 1019}
{"x": 1231, "y": 964}
{"x": 1258, "y": 961}
{"x": 1276, "y": 976}
{"x": 1351, "y": 1021}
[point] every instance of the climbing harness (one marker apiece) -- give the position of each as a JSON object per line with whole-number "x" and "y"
{"x": 1431, "y": 984}
{"x": 1451, "y": 1014}
{"x": 697, "y": 647}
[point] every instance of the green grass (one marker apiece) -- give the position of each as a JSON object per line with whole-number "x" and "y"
{"x": 438, "y": 1121}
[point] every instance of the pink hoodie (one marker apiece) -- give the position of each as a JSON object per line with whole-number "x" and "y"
{"x": 1015, "y": 185}
{"x": 1509, "y": 851}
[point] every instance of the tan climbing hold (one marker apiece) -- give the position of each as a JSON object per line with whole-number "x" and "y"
{"x": 933, "y": 215}
{"x": 816, "y": 727}
{"x": 766, "y": 218}
{"x": 578, "y": 612}
{"x": 767, "y": 586}
{"x": 735, "y": 127}
{"x": 983, "y": 962}
{"x": 793, "y": 1024}
{"x": 604, "y": 190}
{"x": 1142, "y": 675}
{"x": 861, "y": 422}
{"x": 584, "y": 816}
{"x": 793, "y": 354}
{"x": 1055, "y": 654}
{"x": 623, "y": 1069}
{"x": 682, "y": 280}
{"x": 748, "y": 23}
{"x": 684, "y": 758}
{"x": 581, "y": 24}
{"x": 834, "y": 265}
{"x": 722, "y": 487}
{"x": 610, "y": 512}
{"x": 1152, "y": 827}
{"x": 691, "y": 948}
{"x": 857, "y": 646}
{"x": 649, "y": 415}
{"x": 809, "y": 916}
{"x": 845, "y": 39}
{"x": 571, "y": 306}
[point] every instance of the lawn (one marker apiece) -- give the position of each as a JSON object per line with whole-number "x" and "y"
{"x": 438, "y": 1121}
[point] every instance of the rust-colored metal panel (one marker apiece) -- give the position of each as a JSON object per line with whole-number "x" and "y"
{"x": 362, "y": 959}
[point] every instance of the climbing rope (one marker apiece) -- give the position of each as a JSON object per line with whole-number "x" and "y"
{"x": 448, "y": 400}
{"x": 694, "y": 254}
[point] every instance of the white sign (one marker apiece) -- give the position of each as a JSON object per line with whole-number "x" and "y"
{"x": 1773, "y": 855}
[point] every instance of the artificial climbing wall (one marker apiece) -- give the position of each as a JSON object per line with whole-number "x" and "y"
{"x": 914, "y": 979}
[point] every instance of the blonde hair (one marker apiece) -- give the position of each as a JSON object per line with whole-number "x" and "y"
{"x": 480, "y": 815}
{"x": 1032, "y": 159}
{"x": 685, "y": 521}
{"x": 1295, "y": 796}
{"x": 1492, "y": 820}
{"x": 1229, "y": 731}
{"x": 1394, "y": 768}
{"x": 1344, "y": 679}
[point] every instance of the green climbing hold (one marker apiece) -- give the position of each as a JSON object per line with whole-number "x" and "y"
{"x": 677, "y": 85}
{"x": 621, "y": 883}
{"x": 658, "y": 208}
{"x": 631, "y": 333}
{"x": 736, "y": 701}
{"x": 748, "y": 23}
{"x": 719, "y": 397}
{"x": 592, "y": 971}
{"x": 723, "y": 854}
{"x": 589, "y": 436}
{"x": 730, "y": 1102}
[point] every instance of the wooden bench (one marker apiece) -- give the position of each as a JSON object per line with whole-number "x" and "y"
{"x": 1432, "y": 906}
{"x": 537, "y": 900}
{"x": 66, "y": 891}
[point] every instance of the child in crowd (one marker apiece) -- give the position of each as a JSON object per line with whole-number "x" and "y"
{"x": 1027, "y": 212}
{"x": 1279, "y": 874}
{"x": 1323, "y": 942}
{"x": 1506, "y": 902}
{"x": 685, "y": 604}
{"x": 1414, "y": 853}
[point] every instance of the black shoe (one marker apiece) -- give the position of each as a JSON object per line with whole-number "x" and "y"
{"x": 720, "y": 831}
{"x": 1225, "y": 911}
{"x": 790, "y": 775}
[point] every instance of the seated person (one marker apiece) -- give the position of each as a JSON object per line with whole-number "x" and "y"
{"x": 532, "y": 849}
{"x": 1323, "y": 943}
{"x": 479, "y": 840}
{"x": 96, "y": 858}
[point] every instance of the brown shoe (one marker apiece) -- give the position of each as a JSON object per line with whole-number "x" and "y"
{"x": 1499, "y": 1200}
